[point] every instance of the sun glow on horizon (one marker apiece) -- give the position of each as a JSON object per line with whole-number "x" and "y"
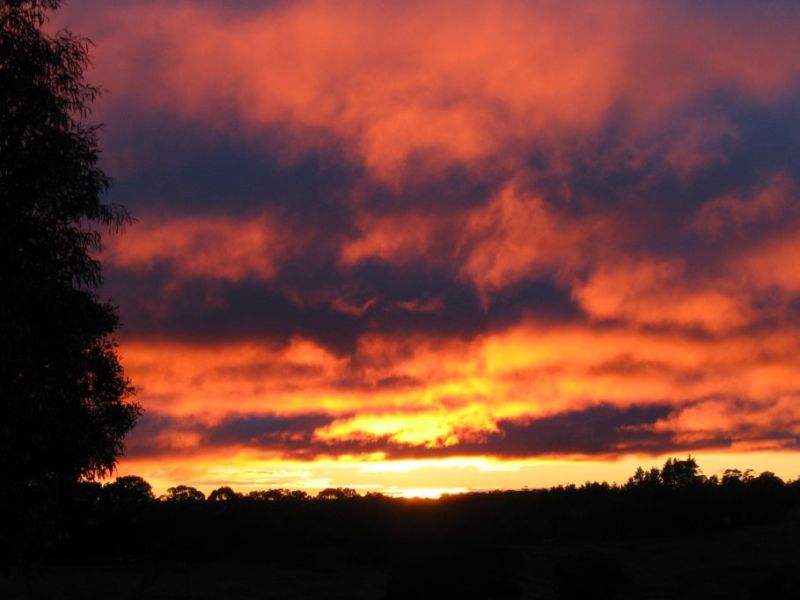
{"x": 432, "y": 478}
{"x": 425, "y": 493}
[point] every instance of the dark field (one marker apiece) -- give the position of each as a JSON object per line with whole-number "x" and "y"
{"x": 745, "y": 563}
{"x": 672, "y": 533}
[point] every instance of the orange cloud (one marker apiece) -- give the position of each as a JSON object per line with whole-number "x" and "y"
{"x": 426, "y": 393}
{"x": 398, "y": 239}
{"x": 717, "y": 418}
{"x": 733, "y": 215}
{"x": 516, "y": 237}
{"x": 184, "y": 379}
{"x": 430, "y": 96}
{"x": 219, "y": 247}
{"x": 652, "y": 291}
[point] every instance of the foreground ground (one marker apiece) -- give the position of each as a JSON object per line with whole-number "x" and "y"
{"x": 747, "y": 564}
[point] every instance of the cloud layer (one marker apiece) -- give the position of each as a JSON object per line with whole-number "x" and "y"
{"x": 386, "y": 230}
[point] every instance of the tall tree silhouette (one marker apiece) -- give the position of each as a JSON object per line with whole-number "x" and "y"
{"x": 65, "y": 404}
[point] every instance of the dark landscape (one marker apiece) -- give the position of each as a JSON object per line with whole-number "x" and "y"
{"x": 666, "y": 533}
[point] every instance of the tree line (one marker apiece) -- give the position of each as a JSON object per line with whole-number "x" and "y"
{"x": 675, "y": 474}
{"x": 124, "y": 518}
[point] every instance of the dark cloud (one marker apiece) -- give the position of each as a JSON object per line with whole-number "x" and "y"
{"x": 603, "y": 429}
{"x": 265, "y": 431}
{"x": 213, "y": 311}
{"x": 200, "y": 311}
{"x": 190, "y": 435}
{"x": 599, "y": 430}
{"x": 181, "y": 166}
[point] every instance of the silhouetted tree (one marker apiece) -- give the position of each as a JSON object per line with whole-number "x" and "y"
{"x": 376, "y": 496}
{"x": 337, "y": 494}
{"x": 128, "y": 490}
{"x": 768, "y": 479}
{"x": 297, "y": 495}
{"x": 64, "y": 400}
{"x": 184, "y": 493}
{"x": 734, "y": 477}
{"x": 645, "y": 479}
{"x": 223, "y": 494}
{"x": 269, "y": 495}
{"x": 680, "y": 473}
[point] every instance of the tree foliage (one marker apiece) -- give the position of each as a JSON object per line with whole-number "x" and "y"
{"x": 675, "y": 474}
{"x": 223, "y": 494}
{"x": 65, "y": 403}
{"x": 337, "y": 494}
{"x": 129, "y": 490}
{"x": 184, "y": 493}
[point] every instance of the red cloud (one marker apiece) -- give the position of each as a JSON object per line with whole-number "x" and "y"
{"x": 399, "y": 87}
{"x": 217, "y": 247}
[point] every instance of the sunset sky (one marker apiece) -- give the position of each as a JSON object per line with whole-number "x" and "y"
{"x": 419, "y": 247}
